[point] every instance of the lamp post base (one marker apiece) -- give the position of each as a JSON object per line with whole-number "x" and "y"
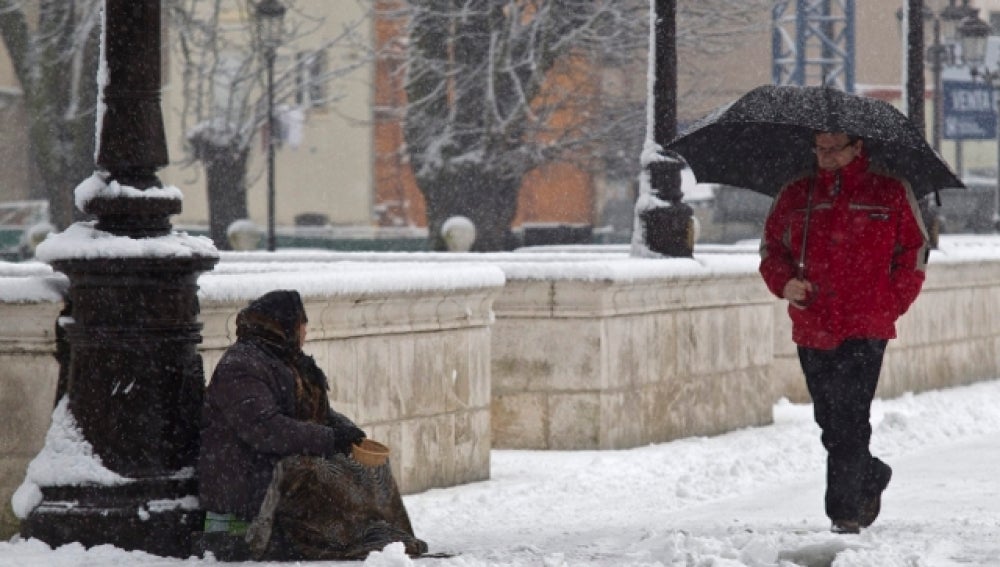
{"x": 669, "y": 230}
{"x": 134, "y": 386}
{"x": 153, "y": 515}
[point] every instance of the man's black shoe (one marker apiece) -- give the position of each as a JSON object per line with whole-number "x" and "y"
{"x": 845, "y": 527}
{"x": 871, "y": 500}
{"x": 870, "y": 508}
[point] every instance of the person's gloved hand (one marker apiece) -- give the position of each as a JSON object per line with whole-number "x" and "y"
{"x": 347, "y": 436}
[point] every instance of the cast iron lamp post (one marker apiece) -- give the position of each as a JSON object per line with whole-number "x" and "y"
{"x": 973, "y": 34}
{"x": 270, "y": 21}
{"x": 939, "y": 53}
{"x": 666, "y": 229}
{"x": 135, "y": 382}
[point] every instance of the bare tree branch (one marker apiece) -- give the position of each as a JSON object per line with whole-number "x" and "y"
{"x": 53, "y": 47}
{"x": 498, "y": 88}
{"x": 224, "y": 102}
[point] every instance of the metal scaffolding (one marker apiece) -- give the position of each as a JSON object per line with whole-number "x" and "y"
{"x": 813, "y": 44}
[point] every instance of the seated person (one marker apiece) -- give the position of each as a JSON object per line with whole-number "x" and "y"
{"x": 275, "y": 462}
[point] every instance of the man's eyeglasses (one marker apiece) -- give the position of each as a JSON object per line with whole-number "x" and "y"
{"x": 819, "y": 150}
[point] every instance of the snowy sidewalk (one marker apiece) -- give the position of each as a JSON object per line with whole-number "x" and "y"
{"x": 942, "y": 508}
{"x": 752, "y": 497}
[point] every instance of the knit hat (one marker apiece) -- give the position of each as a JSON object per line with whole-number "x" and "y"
{"x": 281, "y": 307}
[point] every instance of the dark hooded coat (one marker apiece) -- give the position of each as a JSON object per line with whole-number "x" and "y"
{"x": 267, "y": 400}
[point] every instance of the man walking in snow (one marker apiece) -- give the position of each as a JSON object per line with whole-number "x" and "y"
{"x": 846, "y": 247}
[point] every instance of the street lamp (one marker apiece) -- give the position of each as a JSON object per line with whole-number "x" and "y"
{"x": 270, "y": 24}
{"x": 667, "y": 227}
{"x": 973, "y": 34}
{"x": 939, "y": 53}
{"x": 132, "y": 382}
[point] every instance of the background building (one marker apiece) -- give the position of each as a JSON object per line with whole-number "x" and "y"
{"x": 324, "y": 165}
{"x": 341, "y": 162}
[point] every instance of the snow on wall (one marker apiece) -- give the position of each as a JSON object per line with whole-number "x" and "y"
{"x": 247, "y": 281}
{"x": 33, "y": 289}
{"x": 245, "y": 275}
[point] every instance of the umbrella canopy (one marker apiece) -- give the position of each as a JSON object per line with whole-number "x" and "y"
{"x": 764, "y": 139}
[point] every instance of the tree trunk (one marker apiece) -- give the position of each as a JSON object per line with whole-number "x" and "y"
{"x": 225, "y": 178}
{"x": 63, "y": 151}
{"x": 488, "y": 198}
{"x": 56, "y": 65}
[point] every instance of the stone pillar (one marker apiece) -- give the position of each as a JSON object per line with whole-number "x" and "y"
{"x": 135, "y": 380}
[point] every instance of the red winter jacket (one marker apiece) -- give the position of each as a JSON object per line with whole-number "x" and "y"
{"x": 866, "y": 252}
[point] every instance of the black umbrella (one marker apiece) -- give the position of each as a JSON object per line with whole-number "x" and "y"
{"x": 764, "y": 139}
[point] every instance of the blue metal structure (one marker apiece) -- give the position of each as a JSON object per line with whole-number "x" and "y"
{"x": 814, "y": 43}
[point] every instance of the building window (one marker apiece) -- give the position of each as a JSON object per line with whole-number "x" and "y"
{"x": 995, "y": 23}
{"x": 311, "y": 79}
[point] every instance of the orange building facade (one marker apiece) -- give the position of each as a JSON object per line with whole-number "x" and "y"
{"x": 556, "y": 193}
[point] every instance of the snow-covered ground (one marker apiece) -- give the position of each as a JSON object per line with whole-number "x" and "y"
{"x": 752, "y": 497}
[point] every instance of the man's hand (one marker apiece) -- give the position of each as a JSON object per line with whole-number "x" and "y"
{"x": 798, "y": 291}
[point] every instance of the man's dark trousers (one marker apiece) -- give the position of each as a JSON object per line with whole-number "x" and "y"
{"x": 842, "y": 384}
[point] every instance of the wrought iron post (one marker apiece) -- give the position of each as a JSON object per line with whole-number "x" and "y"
{"x": 936, "y": 56}
{"x": 916, "y": 56}
{"x": 973, "y": 36}
{"x": 135, "y": 379}
{"x": 667, "y": 229}
{"x": 915, "y": 64}
{"x": 270, "y": 16}
{"x": 271, "y": 135}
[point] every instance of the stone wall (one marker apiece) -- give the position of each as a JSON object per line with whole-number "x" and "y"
{"x": 28, "y": 376}
{"x": 613, "y": 364}
{"x": 951, "y": 335}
